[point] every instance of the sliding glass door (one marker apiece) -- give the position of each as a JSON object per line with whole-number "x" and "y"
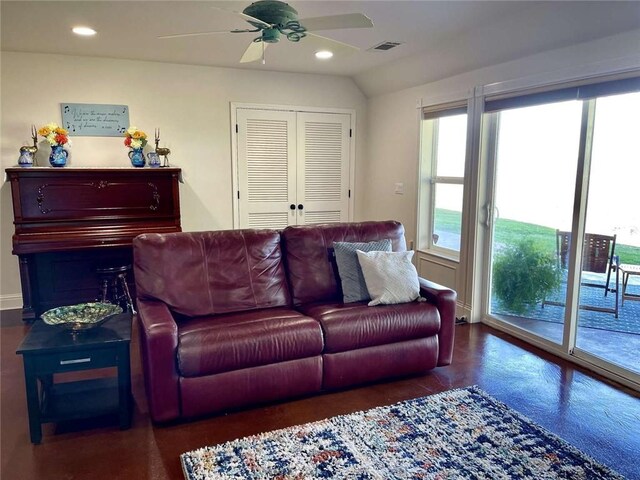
{"x": 536, "y": 151}
{"x": 608, "y": 324}
{"x": 564, "y": 165}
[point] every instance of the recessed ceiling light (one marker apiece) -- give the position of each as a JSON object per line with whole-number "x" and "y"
{"x": 85, "y": 31}
{"x": 324, "y": 54}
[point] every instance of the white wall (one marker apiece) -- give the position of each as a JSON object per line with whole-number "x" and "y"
{"x": 190, "y": 104}
{"x": 393, "y": 128}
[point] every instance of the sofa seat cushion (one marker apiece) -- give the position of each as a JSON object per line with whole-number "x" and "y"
{"x": 222, "y": 343}
{"x": 349, "y": 326}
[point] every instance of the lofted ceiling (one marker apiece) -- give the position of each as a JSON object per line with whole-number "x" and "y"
{"x": 470, "y": 34}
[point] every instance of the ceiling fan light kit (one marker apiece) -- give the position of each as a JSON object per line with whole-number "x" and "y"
{"x": 275, "y": 19}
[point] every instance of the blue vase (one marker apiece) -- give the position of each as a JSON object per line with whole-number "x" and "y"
{"x": 26, "y": 158}
{"x": 154, "y": 159}
{"x": 58, "y": 157}
{"x": 137, "y": 157}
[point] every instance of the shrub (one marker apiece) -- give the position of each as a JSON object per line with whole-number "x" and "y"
{"x": 523, "y": 275}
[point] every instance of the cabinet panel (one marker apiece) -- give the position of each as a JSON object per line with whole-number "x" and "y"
{"x": 266, "y": 168}
{"x": 293, "y": 168}
{"x": 323, "y": 167}
{"x": 67, "y": 278}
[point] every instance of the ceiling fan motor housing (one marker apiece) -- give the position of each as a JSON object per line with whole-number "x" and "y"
{"x": 272, "y": 12}
{"x": 271, "y": 35}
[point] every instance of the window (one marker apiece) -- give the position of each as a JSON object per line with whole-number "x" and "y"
{"x": 443, "y": 155}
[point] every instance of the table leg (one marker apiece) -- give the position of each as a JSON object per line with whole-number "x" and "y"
{"x": 625, "y": 279}
{"x": 124, "y": 387}
{"x": 33, "y": 401}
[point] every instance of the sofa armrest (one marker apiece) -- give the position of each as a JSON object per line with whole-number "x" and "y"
{"x": 445, "y": 301}
{"x": 158, "y": 346}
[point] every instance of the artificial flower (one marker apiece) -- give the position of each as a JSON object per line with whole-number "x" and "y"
{"x": 61, "y": 139}
{"x": 135, "y": 138}
{"x": 54, "y": 134}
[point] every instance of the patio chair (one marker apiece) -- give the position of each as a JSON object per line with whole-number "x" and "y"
{"x": 598, "y": 256}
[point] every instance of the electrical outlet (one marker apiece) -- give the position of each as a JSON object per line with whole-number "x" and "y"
{"x": 399, "y": 190}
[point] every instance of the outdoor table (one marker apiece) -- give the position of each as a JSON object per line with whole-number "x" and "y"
{"x": 628, "y": 270}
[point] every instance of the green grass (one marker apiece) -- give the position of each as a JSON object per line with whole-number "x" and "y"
{"x": 508, "y": 232}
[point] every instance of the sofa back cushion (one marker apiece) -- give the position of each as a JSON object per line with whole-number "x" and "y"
{"x": 208, "y": 273}
{"x": 308, "y": 254}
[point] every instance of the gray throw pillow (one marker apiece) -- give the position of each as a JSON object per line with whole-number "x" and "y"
{"x": 354, "y": 288}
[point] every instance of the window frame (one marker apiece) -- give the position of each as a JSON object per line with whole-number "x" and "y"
{"x": 428, "y": 177}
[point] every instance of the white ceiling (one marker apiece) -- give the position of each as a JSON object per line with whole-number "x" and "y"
{"x": 467, "y": 34}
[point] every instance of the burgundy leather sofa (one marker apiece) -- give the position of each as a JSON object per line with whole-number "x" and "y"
{"x": 240, "y": 317}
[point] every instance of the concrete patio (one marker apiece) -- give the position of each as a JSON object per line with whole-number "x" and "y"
{"x": 599, "y": 333}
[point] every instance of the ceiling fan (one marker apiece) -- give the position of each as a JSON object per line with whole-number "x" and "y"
{"x": 273, "y": 19}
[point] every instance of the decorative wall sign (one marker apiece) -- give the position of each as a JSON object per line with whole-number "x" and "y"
{"x": 89, "y": 120}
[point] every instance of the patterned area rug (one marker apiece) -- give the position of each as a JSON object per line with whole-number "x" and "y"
{"x": 459, "y": 434}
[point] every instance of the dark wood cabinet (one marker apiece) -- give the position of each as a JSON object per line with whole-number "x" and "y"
{"x": 69, "y": 221}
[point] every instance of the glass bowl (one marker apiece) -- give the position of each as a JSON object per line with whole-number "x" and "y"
{"x": 82, "y": 316}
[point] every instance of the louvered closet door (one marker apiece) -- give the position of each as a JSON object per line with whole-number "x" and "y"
{"x": 266, "y": 168}
{"x": 323, "y": 167}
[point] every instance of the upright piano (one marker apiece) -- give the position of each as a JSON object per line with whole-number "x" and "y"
{"x": 71, "y": 221}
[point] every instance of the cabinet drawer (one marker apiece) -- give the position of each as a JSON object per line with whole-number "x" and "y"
{"x": 76, "y": 360}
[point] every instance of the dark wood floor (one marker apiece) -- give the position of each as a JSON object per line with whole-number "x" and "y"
{"x": 599, "y": 418}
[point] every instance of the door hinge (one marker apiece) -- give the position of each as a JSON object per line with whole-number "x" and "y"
{"x": 236, "y": 128}
{"x": 238, "y": 194}
{"x": 350, "y": 132}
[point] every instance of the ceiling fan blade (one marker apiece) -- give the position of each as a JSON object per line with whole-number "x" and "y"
{"x": 254, "y": 52}
{"x": 198, "y": 34}
{"x": 324, "y": 43}
{"x": 246, "y": 17}
{"x": 333, "y": 22}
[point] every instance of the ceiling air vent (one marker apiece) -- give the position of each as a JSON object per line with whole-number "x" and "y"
{"x": 386, "y": 46}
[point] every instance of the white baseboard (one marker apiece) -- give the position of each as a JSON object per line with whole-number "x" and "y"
{"x": 463, "y": 310}
{"x": 11, "y": 301}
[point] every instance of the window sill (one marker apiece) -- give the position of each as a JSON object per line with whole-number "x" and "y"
{"x": 450, "y": 257}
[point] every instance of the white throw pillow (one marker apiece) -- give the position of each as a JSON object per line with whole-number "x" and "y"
{"x": 390, "y": 277}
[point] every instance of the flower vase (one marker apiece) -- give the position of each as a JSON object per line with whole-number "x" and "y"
{"x": 137, "y": 157}
{"x": 26, "y": 158}
{"x": 154, "y": 159}
{"x": 58, "y": 157}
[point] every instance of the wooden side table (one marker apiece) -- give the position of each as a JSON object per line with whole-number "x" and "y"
{"x": 47, "y": 350}
{"x": 628, "y": 270}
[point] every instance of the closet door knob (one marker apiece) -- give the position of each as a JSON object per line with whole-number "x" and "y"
{"x": 292, "y": 206}
{"x": 300, "y": 206}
